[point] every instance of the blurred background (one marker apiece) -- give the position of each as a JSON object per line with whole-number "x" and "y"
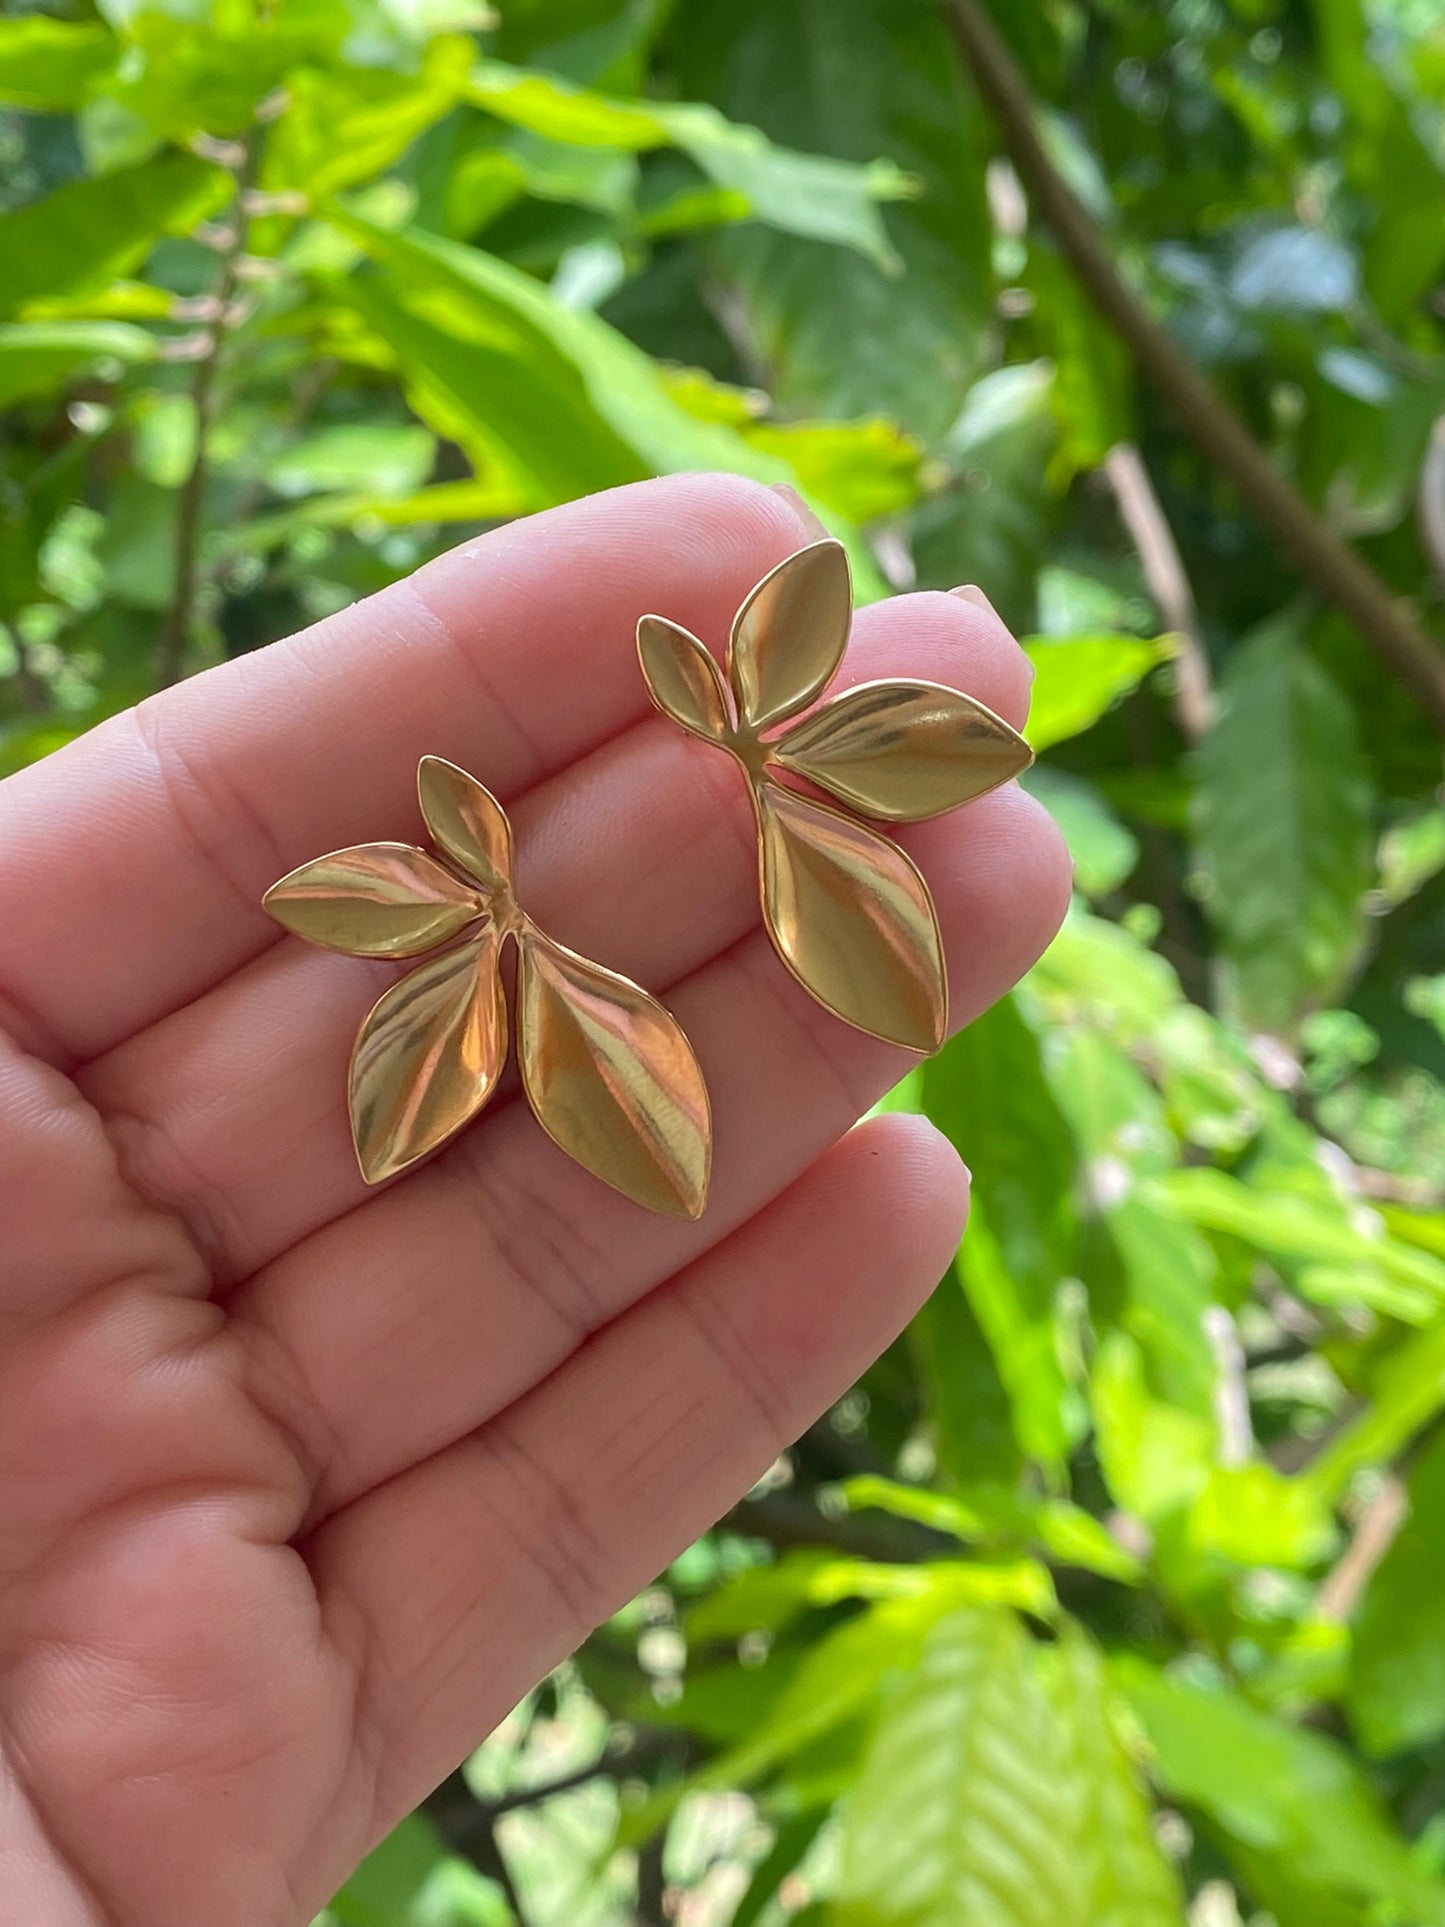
{"x": 1114, "y": 1596}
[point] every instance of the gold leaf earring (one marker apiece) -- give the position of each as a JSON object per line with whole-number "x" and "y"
{"x": 608, "y": 1072}
{"x": 847, "y": 911}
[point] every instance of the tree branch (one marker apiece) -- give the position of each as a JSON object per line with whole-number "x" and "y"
{"x": 1143, "y": 516}
{"x": 176, "y": 630}
{"x": 1386, "y": 623}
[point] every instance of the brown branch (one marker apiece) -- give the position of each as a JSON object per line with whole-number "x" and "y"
{"x": 1430, "y": 499}
{"x": 786, "y": 1523}
{"x": 1372, "y": 1538}
{"x": 231, "y": 250}
{"x": 1385, "y": 621}
{"x": 1149, "y": 531}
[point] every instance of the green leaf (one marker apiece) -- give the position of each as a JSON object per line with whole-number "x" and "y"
{"x": 1406, "y": 1390}
{"x": 1293, "y": 1799}
{"x": 385, "y": 1887}
{"x": 805, "y": 194}
{"x": 1396, "y": 1692}
{"x": 81, "y": 237}
{"x": 842, "y": 336}
{"x": 1066, "y": 1532}
{"x": 1166, "y": 1271}
{"x": 987, "y": 1092}
{"x": 991, "y": 524}
{"x": 48, "y": 66}
{"x": 562, "y": 395}
{"x": 1303, "y": 1232}
{"x": 966, "y": 1400}
{"x": 1104, "y": 851}
{"x": 350, "y": 124}
{"x": 388, "y": 459}
{"x": 1283, "y": 820}
{"x": 1078, "y": 678}
{"x": 37, "y": 357}
{"x": 996, "y": 1790}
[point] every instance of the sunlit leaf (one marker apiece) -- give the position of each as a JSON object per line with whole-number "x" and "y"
{"x": 996, "y": 1788}
{"x": 466, "y": 820}
{"x": 1396, "y": 1693}
{"x": 83, "y": 235}
{"x": 37, "y": 357}
{"x": 612, "y": 1078}
{"x": 375, "y": 900}
{"x": 790, "y": 634}
{"x": 805, "y": 194}
{"x": 684, "y": 680}
{"x": 1290, "y": 1804}
{"x": 1283, "y": 819}
{"x": 904, "y": 750}
{"x": 852, "y": 919}
{"x": 1078, "y": 678}
{"x": 428, "y": 1057}
{"x": 48, "y": 66}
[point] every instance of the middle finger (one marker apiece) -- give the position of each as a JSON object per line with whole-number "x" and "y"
{"x": 232, "y": 1112}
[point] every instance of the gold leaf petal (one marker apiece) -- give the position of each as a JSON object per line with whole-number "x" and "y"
{"x": 466, "y": 820}
{"x": 852, "y": 919}
{"x": 682, "y": 678}
{"x": 428, "y": 1057}
{"x": 904, "y": 750}
{"x": 375, "y": 900}
{"x": 790, "y": 634}
{"x": 612, "y": 1078}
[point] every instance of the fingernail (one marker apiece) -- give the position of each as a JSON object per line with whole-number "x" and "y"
{"x": 970, "y": 592}
{"x": 812, "y": 523}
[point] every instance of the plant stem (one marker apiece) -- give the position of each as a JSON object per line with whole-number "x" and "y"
{"x": 1385, "y": 622}
{"x": 176, "y": 629}
{"x": 1143, "y": 516}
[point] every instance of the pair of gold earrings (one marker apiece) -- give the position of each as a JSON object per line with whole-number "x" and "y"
{"x": 608, "y": 1072}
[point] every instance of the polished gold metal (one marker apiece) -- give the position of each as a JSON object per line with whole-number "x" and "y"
{"x": 847, "y": 911}
{"x": 609, "y": 1074}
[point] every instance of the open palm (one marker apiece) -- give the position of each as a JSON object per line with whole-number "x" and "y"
{"x": 301, "y": 1487}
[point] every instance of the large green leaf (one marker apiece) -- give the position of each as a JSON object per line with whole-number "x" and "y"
{"x": 564, "y": 395}
{"x": 840, "y": 335}
{"x": 1396, "y": 1692}
{"x": 78, "y": 239}
{"x": 1078, "y": 678}
{"x": 1292, "y": 1801}
{"x": 37, "y": 357}
{"x": 806, "y": 194}
{"x": 987, "y": 1092}
{"x": 1328, "y": 1248}
{"x": 1406, "y": 1390}
{"x": 996, "y": 1792}
{"x": 1283, "y": 828}
{"x": 48, "y": 66}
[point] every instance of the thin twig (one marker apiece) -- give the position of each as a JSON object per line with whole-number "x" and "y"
{"x": 1143, "y": 516}
{"x": 176, "y": 630}
{"x": 1384, "y": 621}
{"x": 1372, "y": 1538}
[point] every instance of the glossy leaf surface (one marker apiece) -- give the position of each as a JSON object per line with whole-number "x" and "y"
{"x": 428, "y": 1057}
{"x": 852, "y": 919}
{"x": 466, "y": 820}
{"x": 612, "y": 1078}
{"x": 904, "y": 750}
{"x": 790, "y": 633}
{"x": 374, "y": 900}
{"x": 682, "y": 677}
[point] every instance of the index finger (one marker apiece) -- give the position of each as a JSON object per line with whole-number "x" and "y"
{"x": 132, "y": 862}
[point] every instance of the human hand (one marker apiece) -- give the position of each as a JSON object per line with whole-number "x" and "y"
{"x": 302, "y": 1487}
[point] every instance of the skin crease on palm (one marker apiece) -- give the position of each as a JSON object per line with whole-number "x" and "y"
{"x": 301, "y": 1487}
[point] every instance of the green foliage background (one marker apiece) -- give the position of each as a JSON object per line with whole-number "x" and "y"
{"x": 1113, "y": 1596}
